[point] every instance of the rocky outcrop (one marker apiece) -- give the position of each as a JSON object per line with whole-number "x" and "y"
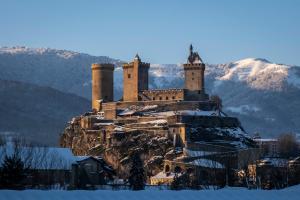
{"x": 117, "y": 150}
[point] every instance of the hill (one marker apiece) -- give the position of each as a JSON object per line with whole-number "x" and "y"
{"x": 37, "y": 113}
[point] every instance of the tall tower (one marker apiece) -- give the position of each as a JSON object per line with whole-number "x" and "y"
{"x": 135, "y": 79}
{"x": 102, "y": 84}
{"x": 194, "y": 73}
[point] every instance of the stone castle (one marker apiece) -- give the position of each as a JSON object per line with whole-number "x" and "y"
{"x": 172, "y": 129}
{"x": 136, "y": 89}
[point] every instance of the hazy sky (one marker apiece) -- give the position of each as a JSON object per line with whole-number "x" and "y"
{"x": 159, "y": 30}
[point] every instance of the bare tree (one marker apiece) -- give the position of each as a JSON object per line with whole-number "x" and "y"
{"x": 218, "y": 101}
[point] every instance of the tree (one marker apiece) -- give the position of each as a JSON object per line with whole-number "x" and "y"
{"x": 137, "y": 173}
{"x": 13, "y": 172}
{"x": 218, "y": 101}
{"x": 176, "y": 183}
{"x": 288, "y": 145}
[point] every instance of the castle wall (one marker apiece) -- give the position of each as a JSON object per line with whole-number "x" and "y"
{"x": 102, "y": 84}
{"x": 211, "y": 121}
{"x": 110, "y": 110}
{"x": 168, "y": 105}
{"x": 162, "y": 95}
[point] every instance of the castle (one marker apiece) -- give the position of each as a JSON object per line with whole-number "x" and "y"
{"x": 136, "y": 86}
{"x": 172, "y": 129}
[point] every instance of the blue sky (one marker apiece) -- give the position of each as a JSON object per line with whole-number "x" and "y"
{"x": 159, "y": 30}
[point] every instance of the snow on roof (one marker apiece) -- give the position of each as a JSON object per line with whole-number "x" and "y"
{"x": 265, "y": 140}
{"x": 127, "y": 112}
{"x": 188, "y": 112}
{"x": 132, "y": 109}
{"x": 103, "y": 124}
{"x": 156, "y": 122}
{"x": 207, "y": 163}
{"x": 192, "y": 153}
{"x": 277, "y": 162}
{"x": 148, "y": 107}
{"x": 40, "y": 157}
{"x": 296, "y": 160}
{"x": 119, "y": 128}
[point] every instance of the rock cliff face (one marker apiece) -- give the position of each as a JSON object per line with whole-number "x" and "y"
{"x": 118, "y": 149}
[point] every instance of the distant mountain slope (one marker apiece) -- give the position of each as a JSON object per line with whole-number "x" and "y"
{"x": 264, "y": 95}
{"x": 64, "y": 70}
{"x": 38, "y": 113}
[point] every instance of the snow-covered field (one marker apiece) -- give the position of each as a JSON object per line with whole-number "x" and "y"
{"x": 223, "y": 194}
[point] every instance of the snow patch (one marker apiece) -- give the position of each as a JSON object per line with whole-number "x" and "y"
{"x": 243, "y": 109}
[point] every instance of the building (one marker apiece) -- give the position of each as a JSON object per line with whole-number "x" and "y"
{"x": 90, "y": 172}
{"x": 268, "y": 146}
{"x": 135, "y": 85}
{"x": 48, "y": 167}
{"x": 177, "y": 118}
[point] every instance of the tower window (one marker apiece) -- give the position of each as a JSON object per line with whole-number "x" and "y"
{"x": 173, "y": 97}
{"x": 160, "y": 98}
{"x": 167, "y": 98}
{"x": 153, "y": 98}
{"x": 193, "y": 73}
{"x": 129, "y": 75}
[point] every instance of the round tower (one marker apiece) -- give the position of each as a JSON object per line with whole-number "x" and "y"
{"x": 102, "y": 84}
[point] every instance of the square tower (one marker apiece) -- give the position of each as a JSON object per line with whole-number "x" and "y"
{"x": 135, "y": 79}
{"x": 194, "y": 73}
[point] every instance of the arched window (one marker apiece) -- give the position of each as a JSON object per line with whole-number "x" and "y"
{"x": 167, "y": 98}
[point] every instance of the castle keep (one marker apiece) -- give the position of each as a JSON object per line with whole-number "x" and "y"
{"x": 135, "y": 76}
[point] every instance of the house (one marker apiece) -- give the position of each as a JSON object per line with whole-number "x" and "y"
{"x": 269, "y": 146}
{"x": 89, "y": 171}
{"x": 46, "y": 167}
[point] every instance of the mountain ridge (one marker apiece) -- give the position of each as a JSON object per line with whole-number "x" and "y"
{"x": 260, "y": 93}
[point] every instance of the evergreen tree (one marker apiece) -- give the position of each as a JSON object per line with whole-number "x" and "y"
{"x": 137, "y": 174}
{"x": 176, "y": 183}
{"x": 12, "y": 173}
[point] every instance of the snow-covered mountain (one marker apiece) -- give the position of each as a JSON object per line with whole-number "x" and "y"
{"x": 64, "y": 70}
{"x": 264, "y": 95}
